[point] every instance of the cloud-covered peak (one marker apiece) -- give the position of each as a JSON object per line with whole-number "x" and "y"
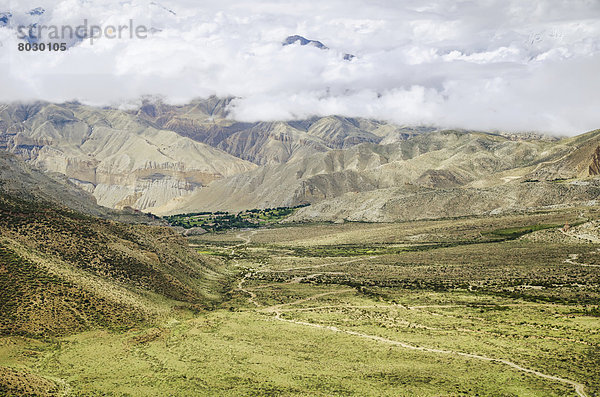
{"x": 5, "y": 18}
{"x": 508, "y": 65}
{"x": 36, "y": 11}
{"x": 304, "y": 41}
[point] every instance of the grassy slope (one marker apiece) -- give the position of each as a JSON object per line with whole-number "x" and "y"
{"x": 515, "y": 300}
{"x": 63, "y": 272}
{"x": 248, "y": 354}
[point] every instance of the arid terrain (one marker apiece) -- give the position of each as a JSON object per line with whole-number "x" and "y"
{"x": 371, "y": 259}
{"x": 299, "y": 198}
{"x": 490, "y": 306}
{"x": 169, "y": 160}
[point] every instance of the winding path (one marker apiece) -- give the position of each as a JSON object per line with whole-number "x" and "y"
{"x": 316, "y": 266}
{"x": 573, "y": 257}
{"x": 252, "y": 295}
{"x": 579, "y": 388}
{"x": 278, "y": 309}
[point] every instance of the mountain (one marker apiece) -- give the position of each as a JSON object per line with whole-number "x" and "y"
{"x": 579, "y": 158}
{"x": 17, "y": 179}
{"x": 169, "y": 159}
{"x": 147, "y": 157}
{"x": 30, "y": 19}
{"x": 433, "y": 160}
{"x": 119, "y": 158}
{"x": 63, "y": 271}
{"x": 393, "y": 204}
{"x": 262, "y": 143}
{"x": 5, "y": 18}
{"x": 36, "y": 11}
{"x": 304, "y": 41}
{"x": 551, "y": 173}
{"x": 297, "y": 39}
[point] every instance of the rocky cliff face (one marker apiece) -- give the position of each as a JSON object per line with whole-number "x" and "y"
{"x": 594, "y": 168}
{"x": 19, "y": 180}
{"x": 173, "y": 159}
{"x": 121, "y": 159}
{"x": 158, "y": 153}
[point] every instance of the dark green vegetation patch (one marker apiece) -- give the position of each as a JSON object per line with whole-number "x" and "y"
{"x": 221, "y": 220}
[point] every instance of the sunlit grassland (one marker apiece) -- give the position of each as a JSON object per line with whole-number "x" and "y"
{"x": 460, "y": 286}
{"x": 249, "y": 353}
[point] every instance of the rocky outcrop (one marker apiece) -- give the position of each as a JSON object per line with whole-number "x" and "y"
{"x": 594, "y": 168}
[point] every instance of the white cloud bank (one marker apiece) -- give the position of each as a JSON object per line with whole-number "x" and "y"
{"x": 508, "y": 64}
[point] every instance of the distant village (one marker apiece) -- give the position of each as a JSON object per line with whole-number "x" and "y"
{"x": 221, "y": 220}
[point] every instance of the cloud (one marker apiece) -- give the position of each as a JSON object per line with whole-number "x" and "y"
{"x": 502, "y": 65}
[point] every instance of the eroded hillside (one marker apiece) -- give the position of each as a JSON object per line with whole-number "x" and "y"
{"x": 168, "y": 159}
{"x": 121, "y": 159}
{"x": 63, "y": 271}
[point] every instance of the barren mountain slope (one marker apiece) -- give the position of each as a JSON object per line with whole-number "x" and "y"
{"x": 121, "y": 159}
{"x": 18, "y": 179}
{"x": 389, "y": 205}
{"x": 442, "y": 159}
{"x": 578, "y": 157}
{"x": 152, "y": 158}
{"x": 269, "y": 142}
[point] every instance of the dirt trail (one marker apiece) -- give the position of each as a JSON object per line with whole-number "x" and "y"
{"x": 246, "y": 239}
{"x": 579, "y": 388}
{"x": 422, "y": 326}
{"x": 573, "y": 257}
{"x": 275, "y": 308}
{"x": 278, "y": 309}
{"x": 240, "y": 287}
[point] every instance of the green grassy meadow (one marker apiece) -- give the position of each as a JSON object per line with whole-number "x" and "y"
{"x": 455, "y": 307}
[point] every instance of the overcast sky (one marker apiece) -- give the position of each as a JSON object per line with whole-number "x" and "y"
{"x": 491, "y": 65}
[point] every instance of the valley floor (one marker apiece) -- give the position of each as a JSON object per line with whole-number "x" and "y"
{"x": 500, "y": 306}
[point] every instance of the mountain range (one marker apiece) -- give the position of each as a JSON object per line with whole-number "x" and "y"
{"x": 168, "y": 159}
{"x": 122, "y": 159}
